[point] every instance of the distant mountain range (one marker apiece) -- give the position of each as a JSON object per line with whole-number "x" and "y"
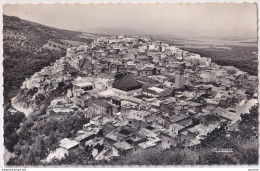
{"x": 114, "y": 31}
{"x": 184, "y": 34}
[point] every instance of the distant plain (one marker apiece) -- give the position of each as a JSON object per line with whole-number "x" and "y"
{"x": 240, "y": 52}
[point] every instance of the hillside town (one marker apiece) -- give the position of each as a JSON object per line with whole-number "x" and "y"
{"x": 140, "y": 93}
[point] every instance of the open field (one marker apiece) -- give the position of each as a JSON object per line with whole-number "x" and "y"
{"x": 238, "y": 52}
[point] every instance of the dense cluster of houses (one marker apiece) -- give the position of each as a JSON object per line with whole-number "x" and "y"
{"x": 140, "y": 93}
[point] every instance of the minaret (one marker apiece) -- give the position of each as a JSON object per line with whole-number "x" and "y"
{"x": 179, "y": 79}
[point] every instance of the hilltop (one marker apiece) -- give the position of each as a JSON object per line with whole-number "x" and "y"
{"x": 56, "y": 108}
{"x": 29, "y": 46}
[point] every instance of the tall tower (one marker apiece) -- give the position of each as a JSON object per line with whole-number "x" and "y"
{"x": 179, "y": 79}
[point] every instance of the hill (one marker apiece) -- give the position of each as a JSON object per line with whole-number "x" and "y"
{"x": 114, "y": 31}
{"x": 28, "y": 47}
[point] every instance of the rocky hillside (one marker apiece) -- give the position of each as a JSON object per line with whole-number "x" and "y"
{"x": 37, "y": 91}
{"x": 28, "y": 47}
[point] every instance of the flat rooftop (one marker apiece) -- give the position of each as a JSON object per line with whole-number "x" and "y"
{"x": 123, "y": 145}
{"x": 68, "y": 144}
{"x": 84, "y": 136}
{"x": 147, "y": 144}
{"x": 84, "y": 84}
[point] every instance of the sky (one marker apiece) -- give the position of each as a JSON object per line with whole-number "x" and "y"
{"x": 166, "y": 19}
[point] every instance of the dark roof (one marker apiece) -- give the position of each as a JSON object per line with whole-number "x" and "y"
{"x": 101, "y": 103}
{"x": 172, "y": 80}
{"x": 141, "y": 96}
{"x": 127, "y": 83}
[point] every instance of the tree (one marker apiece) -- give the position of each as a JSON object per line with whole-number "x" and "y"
{"x": 9, "y": 128}
{"x": 248, "y": 126}
{"x": 17, "y": 117}
{"x": 10, "y": 141}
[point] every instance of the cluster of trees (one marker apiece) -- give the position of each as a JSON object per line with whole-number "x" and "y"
{"x": 39, "y": 135}
{"x": 11, "y": 125}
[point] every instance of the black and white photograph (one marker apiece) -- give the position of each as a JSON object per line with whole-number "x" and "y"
{"x": 130, "y": 84}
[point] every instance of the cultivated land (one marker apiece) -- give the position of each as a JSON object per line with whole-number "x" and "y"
{"x": 240, "y": 52}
